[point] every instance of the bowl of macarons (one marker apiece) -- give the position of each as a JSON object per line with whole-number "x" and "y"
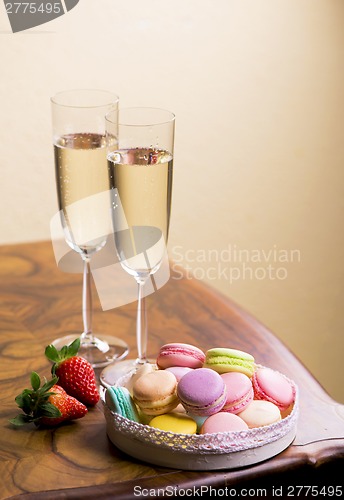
{"x": 202, "y": 410}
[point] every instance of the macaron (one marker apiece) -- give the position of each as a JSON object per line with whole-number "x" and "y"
{"x": 225, "y": 360}
{"x": 155, "y": 392}
{"x": 272, "y": 386}
{"x": 174, "y": 422}
{"x": 178, "y": 354}
{"x": 202, "y": 392}
{"x": 178, "y": 371}
{"x": 259, "y": 413}
{"x": 141, "y": 370}
{"x": 120, "y": 401}
{"x": 199, "y": 421}
{"x": 179, "y": 409}
{"x": 223, "y": 422}
{"x": 239, "y": 392}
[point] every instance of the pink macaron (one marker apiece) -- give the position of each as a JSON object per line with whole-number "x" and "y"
{"x": 178, "y": 354}
{"x": 223, "y": 422}
{"x": 272, "y": 386}
{"x": 202, "y": 392}
{"x": 239, "y": 392}
{"x": 178, "y": 371}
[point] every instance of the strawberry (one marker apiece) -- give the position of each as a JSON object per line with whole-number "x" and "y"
{"x": 70, "y": 408}
{"x": 76, "y": 374}
{"x": 47, "y": 405}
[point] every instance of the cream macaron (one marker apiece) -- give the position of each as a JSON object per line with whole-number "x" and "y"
{"x": 156, "y": 392}
{"x": 259, "y": 413}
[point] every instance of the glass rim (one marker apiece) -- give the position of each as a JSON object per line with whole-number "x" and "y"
{"x": 146, "y": 123}
{"x": 55, "y": 98}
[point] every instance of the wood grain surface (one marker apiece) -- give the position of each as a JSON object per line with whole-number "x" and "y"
{"x": 38, "y": 303}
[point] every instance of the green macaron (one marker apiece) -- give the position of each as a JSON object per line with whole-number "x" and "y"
{"x": 120, "y": 401}
{"x": 224, "y": 360}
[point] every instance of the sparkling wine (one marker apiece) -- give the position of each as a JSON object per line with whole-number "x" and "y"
{"x": 82, "y": 186}
{"x": 141, "y": 180}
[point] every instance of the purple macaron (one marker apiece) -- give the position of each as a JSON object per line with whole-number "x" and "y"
{"x": 202, "y": 392}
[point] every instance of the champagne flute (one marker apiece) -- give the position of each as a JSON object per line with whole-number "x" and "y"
{"x": 82, "y": 182}
{"x": 140, "y": 170}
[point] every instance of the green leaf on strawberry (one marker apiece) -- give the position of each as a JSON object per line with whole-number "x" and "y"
{"x": 21, "y": 419}
{"x": 67, "y": 351}
{"x": 35, "y": 381}
{"x": 48, "y": 404}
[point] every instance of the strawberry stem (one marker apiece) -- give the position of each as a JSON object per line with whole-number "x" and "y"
{"x": 57, "y": 357}
{"x": 34, "y": 402}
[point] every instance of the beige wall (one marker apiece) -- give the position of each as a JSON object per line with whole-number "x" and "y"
{"x": 257, "y": 87}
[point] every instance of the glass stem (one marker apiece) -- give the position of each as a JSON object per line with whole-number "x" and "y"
{"x": 141, "y": 323}
{"x": 87, "y": 299}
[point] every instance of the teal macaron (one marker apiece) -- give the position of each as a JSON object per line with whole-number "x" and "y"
{"x": 120, "y": 401}
{"x": 224, "y": 360}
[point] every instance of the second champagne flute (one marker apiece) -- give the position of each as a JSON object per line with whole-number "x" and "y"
{"x": 140, "y": 171}
{"x": 80, "y": 146}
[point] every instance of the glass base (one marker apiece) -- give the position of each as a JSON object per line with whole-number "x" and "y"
{"x": 110, "y": 375}
{"x": 99, "y": 351}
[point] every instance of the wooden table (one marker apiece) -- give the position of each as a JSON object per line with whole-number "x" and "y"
{"x": 38, "y": 303}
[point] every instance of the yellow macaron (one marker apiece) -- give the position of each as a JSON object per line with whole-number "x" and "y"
{"x": 174, "y": 422}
